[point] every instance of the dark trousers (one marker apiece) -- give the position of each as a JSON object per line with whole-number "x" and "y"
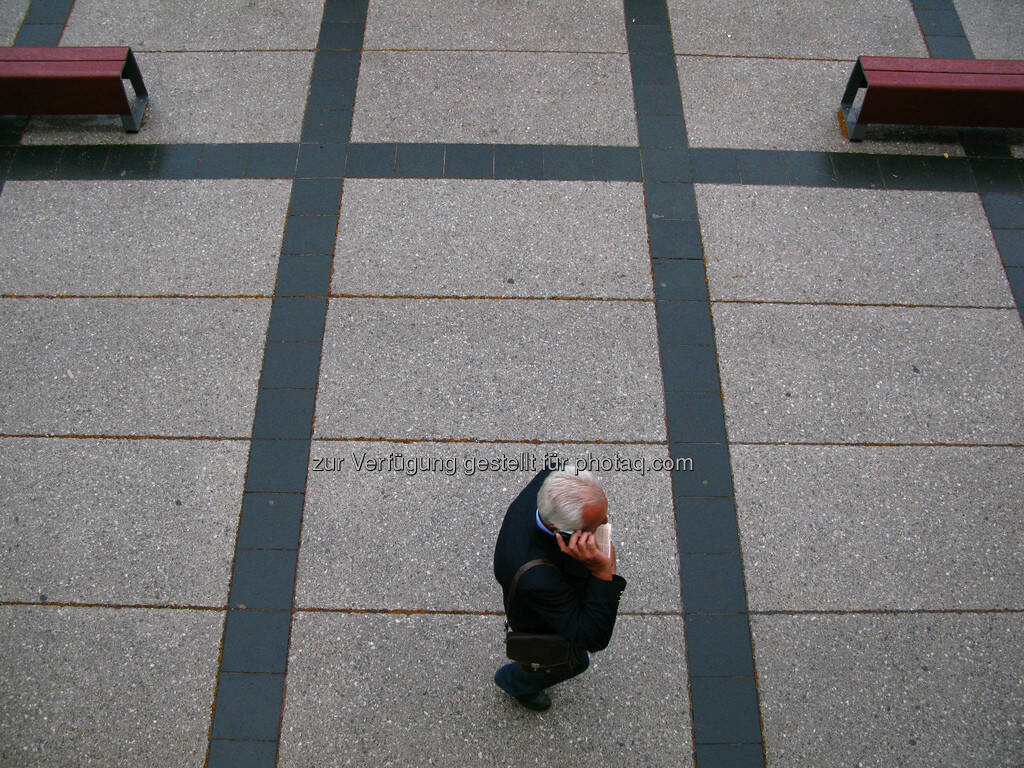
{"x": 519, "y": 682}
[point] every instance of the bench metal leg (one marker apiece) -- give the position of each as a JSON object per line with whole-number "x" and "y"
{"x": 133, "y": 120}
{"x": 852, "y": 129}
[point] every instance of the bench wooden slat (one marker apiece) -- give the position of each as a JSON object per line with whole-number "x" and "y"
{"x": 51, "y": 53}
{"x": 64, "y": 69}
{"x": 966, "y": 66}
{"x": 942, "y": 81}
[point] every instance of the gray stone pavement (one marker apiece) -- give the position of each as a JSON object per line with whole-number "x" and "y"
{"x": 218, "y": 364}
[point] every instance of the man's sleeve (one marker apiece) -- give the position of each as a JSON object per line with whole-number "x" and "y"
{"x": 586, "y": 623}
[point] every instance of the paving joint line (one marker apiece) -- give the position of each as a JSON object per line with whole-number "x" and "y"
{"x": 881, "y": 611}
{"x": 486, "y": 441}
{"x": 115, "y": 606}
{"x": 890, "y": 305}
{"x": 868, "y": 444}
{"x": 390, "y": 296}
{"x": 177, "y": 296}
{"x": 439, "y": 297}
{"x": 495, "y": 50}
{"x": 454, "y": 612}
{"x": 73, "y": 436}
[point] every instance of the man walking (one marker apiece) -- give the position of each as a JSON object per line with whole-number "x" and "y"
{"x": 576, "y": 595}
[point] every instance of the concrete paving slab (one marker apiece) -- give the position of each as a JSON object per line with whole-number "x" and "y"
{"x": 495, "y": 370}
{"x": 575, "y": 25}
{"x": 419, "y": 690}
{"x": 221, "y": 25}
{"x": 112, "y": 687}
{"x": 131, "y": 366}
{"x": 119, "y": 521}
{"x": 849, "y": 245}
{"x": 828, "y": 29}
{"x": 784, "y": 104}
{"x": 994, "y": 29}
{"x": 871, "y": 374}
{"x": 365, "y": 502}
{"x": 12, "y": 13}
{"x": 492, "y": 238}
{"x": 894, "y": 528}
{"x": 253, "y": 96}
{"x": 494, "y": 97}
{"x": 141, "y": 237}
{"x": 912, "y": 690}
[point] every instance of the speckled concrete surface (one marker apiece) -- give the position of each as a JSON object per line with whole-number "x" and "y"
{"x": 74, "y": 237}
{"x": 575, "y": 25}
{"x": 121, "y": 521}
{"x": 224, "y": 96}
{"x": 367, "y": 501}
{"x": 857, "y": 528}
{"x": 807, "y": 373}
{"x": 876, "y": 690}
{"x": 418, "y": 690}
{"x": 489, "y": 97}
{"x": 493, "y": 370}
{"x": 849, "y": 245}
{"x": 492, "y": 238}
{"x": 220, "y": 25}
{"x": 131, "y": 366}
{"x": 822, "y": 29}
{"x": 124, "y": 687}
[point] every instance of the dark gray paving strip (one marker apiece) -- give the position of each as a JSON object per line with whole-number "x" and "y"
{"x": 943, "y": 33}
{"x": 725, "y": 710}
{"x": 249, "y": 700}
{"x": 44, "y": 22}
{"x": 321, "y": 167}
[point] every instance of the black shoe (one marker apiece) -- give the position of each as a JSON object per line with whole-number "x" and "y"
{"x": 538, "y": 701}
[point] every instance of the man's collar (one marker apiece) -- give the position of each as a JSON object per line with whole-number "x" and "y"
{"x": 540, "y": 524}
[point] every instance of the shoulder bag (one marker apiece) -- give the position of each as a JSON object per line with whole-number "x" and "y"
{"x": 536, "y": 652}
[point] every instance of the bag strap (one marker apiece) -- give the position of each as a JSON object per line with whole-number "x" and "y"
{"x": 515, "y": 581}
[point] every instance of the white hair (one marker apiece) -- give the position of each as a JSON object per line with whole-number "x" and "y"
{"x": 564, "y": 494}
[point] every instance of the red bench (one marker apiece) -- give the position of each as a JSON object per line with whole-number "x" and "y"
{"x": 962, "y": 92}
{"x": 71, "y": 81}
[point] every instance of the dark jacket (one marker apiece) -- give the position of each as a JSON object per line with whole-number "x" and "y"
{"x": 566, "y": 599}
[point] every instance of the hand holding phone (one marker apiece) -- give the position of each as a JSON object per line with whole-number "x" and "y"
{"x": 582, "y": 546}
